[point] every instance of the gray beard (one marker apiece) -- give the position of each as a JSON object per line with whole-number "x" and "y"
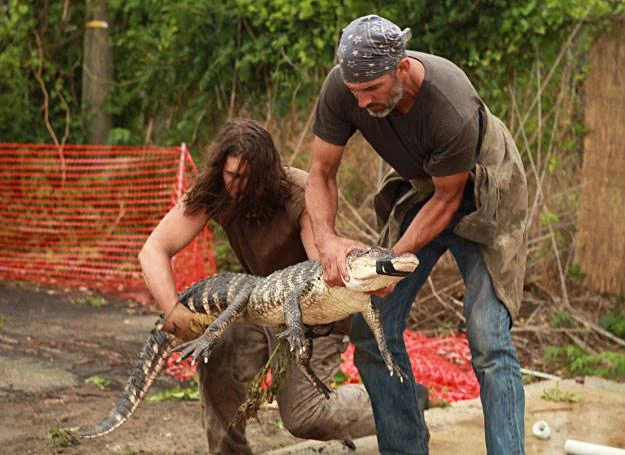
{"x": 396, "y": 96}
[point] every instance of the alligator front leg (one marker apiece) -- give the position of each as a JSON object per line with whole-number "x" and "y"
{"x": 203, "y": 346}
{"x": 294, "y": 332}
{"x": 374, "y": 321}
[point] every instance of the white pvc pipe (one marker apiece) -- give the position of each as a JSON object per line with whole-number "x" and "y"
{"x": 541, "y": 430}
{"x": 573, "y": 447}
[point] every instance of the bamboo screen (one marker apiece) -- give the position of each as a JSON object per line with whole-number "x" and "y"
{"x": 600, "y": 238}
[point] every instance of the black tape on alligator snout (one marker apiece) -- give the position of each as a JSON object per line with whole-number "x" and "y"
{"x": 386, "y": 268}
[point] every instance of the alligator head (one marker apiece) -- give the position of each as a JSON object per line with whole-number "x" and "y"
{"x": 376, "y": 268}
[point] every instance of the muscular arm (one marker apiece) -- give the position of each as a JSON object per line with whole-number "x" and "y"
{"x": 321, "y": 204}
{"x": 435, "y": 215}
{"x": 321, "y": 190}
{"x": 307, "y": 236}
{"x": 170, "y": 236}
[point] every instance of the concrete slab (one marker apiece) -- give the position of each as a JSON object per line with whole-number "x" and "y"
{"x": 597, "y": 417}
{"x": 33, "y": 376}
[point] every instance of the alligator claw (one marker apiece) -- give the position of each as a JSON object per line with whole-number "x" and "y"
{"x": 323, "y": 389}
{"x": 295, "y": 337}
{"x": 185, "y": 350}
{"x": 194, "y": 349}
{"x": 394, "y": 369}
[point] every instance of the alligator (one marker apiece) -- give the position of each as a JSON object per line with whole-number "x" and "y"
{"x": 296, "y": 298}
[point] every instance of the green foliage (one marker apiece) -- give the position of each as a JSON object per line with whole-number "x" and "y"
{"x": 62, "y": 437}
{"x": 179, "y": 64}
{"x": 339, "y": 378}
{"x": 609, "y": 365}
{"x": 258, "y": 391}
{"x": 557, "y": 395}
{"x": 445, "y": 328}
{"x": 89, "y": 299}
{"x": 26, "y": 26}
{"x": 548, "y": 217}
{"x": 614, "y": 321}
{"x": 438, "y": 402}
{"x": 176, "y": 393}
{"x": 561, "y": 319}
{"x": 100, "y": 382}
{"x": 2, "y": 321}
{"x": 124, "y": 451}
{"x": 575, "y": 272}
{"x": 559, "y": 354}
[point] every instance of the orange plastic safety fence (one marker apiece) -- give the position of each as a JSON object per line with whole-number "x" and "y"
{"x": 442, "y": 364}
{"x": 78, "y": 215}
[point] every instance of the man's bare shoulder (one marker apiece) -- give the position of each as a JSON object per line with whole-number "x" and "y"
{"x": 296, "y": 176}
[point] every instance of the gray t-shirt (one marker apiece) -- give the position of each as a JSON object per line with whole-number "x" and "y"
{"x": 440, "y": 135}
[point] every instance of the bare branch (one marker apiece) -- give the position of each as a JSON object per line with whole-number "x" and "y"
{"x": 46, "y": 111}
{"x": 302, "y": 135}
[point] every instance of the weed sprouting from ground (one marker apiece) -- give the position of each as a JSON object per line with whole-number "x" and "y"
{"x": 558, "y": 395}
{"x": 62, "y": 437}
{"x": 177, "y": 393}
{"x": 614, "y": 322}
{"x": 100, "y": 382}
{"x": 89, "y": 299}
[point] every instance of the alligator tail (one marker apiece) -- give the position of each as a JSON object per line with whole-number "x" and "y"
{"x": 144, "y": 372}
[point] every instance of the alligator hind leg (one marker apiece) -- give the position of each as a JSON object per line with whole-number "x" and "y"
{"x": 374, "y": 321}
{"x": 203, "y": 346}
{"x": 302, "y": 359}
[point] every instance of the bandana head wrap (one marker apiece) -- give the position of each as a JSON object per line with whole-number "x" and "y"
{"x": 370, "y": 47}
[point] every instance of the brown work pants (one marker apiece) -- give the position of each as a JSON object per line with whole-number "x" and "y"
{"x": 304, "y": 411}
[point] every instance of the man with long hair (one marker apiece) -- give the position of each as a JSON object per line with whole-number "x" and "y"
{"x": 259, "y": 203}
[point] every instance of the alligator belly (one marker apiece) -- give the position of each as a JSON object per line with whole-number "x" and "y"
{"x": 269, "y": 317}
{"x": 336, "y": 304}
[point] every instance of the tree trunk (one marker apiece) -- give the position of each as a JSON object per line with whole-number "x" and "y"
{"x": 97, "y": 72}
{"x": 600, "y": 238}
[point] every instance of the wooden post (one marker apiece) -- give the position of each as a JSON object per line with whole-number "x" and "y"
{"x": 97, "y": 72}
{"x": 600, "y": 238}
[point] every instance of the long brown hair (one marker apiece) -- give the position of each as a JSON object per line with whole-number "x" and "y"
{"x": 267, "y": 188}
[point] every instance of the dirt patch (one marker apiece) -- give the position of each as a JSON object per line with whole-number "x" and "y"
{"x": 50, "y": 345}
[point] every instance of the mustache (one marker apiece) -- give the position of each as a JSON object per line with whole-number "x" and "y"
{"x": 378, "y": 106}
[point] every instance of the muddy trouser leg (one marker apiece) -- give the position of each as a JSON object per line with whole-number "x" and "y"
{"x": 235, "y": 360}
{"x": 307, "y": 414}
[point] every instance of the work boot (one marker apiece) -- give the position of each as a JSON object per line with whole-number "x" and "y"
{"x": 423, "y": 398}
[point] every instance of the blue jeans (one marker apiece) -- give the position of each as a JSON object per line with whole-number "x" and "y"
{"x": 400, "y": 426}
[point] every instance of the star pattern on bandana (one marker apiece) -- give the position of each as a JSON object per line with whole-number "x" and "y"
{"x": 369, "y": 47}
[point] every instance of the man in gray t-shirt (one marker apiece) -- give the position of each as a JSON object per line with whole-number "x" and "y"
{"x": 458, "y": 184}
{"x": 438, "y": 135}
